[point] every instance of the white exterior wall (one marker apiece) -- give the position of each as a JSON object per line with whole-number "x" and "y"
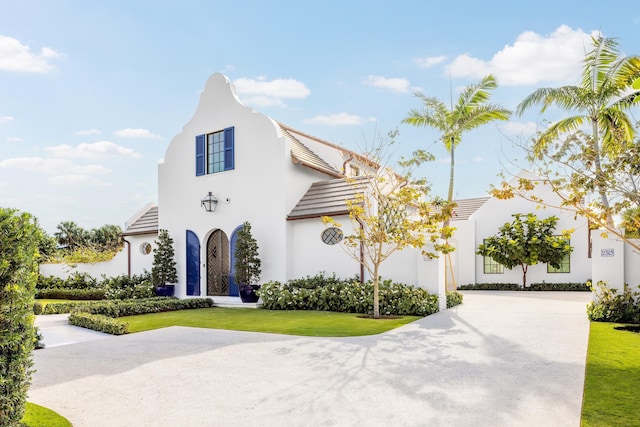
{"x": 632, "y": 265}
{"x": 115, "y": 267}
{"x": 493, "y": 214}
{"x": 140, "y": 261}
{"x": 312, "y": 256}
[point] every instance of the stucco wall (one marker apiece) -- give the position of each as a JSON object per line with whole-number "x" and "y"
{"x": 115, "y": 267}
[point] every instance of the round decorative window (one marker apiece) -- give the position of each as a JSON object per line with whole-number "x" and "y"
{"x": 145, "y": 248}
{"x": 332, "y": 235}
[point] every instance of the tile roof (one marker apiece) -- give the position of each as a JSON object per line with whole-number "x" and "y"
{"x": 300, "y": 153}
{"x": 327, "y": 198}
{"x": 467, "y": 207}
{"x": 145, "y": 223}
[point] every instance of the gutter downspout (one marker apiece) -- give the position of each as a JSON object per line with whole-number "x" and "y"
{"x": 128, "y": 256}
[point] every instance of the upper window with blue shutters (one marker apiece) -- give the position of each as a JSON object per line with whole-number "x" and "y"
{"x": 215, "y": 152}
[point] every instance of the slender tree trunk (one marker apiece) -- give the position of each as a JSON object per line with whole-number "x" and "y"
{"x": 524, "y": 275}
{"x": 451, "y": 180}
{"x": 604, "y": 199}
{"x": 376, "y": 293}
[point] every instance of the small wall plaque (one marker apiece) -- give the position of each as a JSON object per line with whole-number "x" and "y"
{"x": 607, "y": 252}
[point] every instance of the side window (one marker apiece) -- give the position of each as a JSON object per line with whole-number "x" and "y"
{"x": 215, "y": 152}
{"x": 565, "y": 264}
{"x": 492, "y": 267}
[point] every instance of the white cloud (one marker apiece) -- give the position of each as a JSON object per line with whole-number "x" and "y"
{"x": 429, "y": 61}
{"x": 525, "y": 129}
{"x": 5, "y": 119}
{"x": 531, "y": 59}
{"x": 478, "y": 159}
{"x": 15, "y": 56}
{"x": 77, "y": 179}
{"x": 96, "y": 150}
{"x": 14, "y": 139}
{"x": 136, "y": 133}
{"x": 51, "y": 166}
{"x": 260, "y": 92}
{"x": 393, "y": 84}
{"x": 87, "y": 132}
{"x": 339, "y": 119}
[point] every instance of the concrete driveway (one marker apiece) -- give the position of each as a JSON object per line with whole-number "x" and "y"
{"x": 500, "y": 359}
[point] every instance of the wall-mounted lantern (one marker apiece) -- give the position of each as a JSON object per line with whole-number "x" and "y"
{"x": 209, "y": 202}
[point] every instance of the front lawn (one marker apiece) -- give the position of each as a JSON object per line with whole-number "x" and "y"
{"x": 39, "y": 416}
{"x": 612, "y": 379}
{"x": 294, "y": 322}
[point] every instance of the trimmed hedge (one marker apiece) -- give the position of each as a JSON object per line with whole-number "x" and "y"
{"x": 543, "y": 286}
{"x": 58, "y": 307}
{"x": 74, "y": 294}
{"x": 350, "y": 296}
{"x": 121, "y": 308}
{"x": 99, "y": 322}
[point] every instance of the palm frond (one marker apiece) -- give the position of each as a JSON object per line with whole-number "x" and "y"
{"x": 567, "y": 125}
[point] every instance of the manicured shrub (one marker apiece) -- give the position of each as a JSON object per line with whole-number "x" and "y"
{"x": 611, "y": 306}
{"x": 47, "y": 282}
{"x": 74, "y": 294}
{"x": 543, "y": 286}
{"x": 453, "y": 299}
{"x": 125, "y": 287}
{"x": 121, "y": 308}
{"x": 351, "y": 296}
{"x": 19, "y": 239}
{"x": 98, "y": 322}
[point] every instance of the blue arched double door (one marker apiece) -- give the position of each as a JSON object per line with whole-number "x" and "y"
{"x": 220, "y": 260}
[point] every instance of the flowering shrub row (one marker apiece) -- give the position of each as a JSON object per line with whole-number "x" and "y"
{"x": 351, "y": 296}
{"x": 542, "y": 286}
{"x": 611, "y": 306}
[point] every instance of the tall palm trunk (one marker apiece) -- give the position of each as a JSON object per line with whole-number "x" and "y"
{"x": 451, "y": 180}
{"x": 604, "y": 199}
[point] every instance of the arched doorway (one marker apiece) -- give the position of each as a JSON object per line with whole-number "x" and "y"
{"x": 218, "y": 264}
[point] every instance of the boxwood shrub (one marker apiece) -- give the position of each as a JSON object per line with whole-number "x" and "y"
{"x": 350, "y": 296}
{"x": 542, "y": 286}
{"x": 121, "y": 308}
{"x": 74, "y": 294}
{"x": 99, "y": 322}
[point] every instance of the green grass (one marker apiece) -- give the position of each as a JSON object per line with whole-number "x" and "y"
{"x": 299, "y": 322}
{"x": 612, "y": 380}
{"x": 39, "y": 416}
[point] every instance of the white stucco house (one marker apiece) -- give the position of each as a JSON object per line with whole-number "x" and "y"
{"x": 232, "y": 164}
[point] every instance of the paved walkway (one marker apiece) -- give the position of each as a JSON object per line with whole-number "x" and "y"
{"x": 500, "y": 359}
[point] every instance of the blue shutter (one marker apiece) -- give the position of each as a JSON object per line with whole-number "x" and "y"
{"x": 193, "y": 264}
{"x": 228, "y": 149}
{"x": 200, "y": 155}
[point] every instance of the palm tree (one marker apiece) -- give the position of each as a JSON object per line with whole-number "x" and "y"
{"x": 471, "y": 111}
{"x": 606, "y": 90}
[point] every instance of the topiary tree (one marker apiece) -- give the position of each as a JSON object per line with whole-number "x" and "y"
{"x": 164, "y": 270}
{"x": 527, "y": 241}
{"x": 247, "y": 261}
{"x": 19, "y": 240}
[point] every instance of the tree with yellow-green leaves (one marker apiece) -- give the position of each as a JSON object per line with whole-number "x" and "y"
{"x": 391, "y": 211}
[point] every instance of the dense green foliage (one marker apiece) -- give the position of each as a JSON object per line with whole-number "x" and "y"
{"x": 83, "y": 286}
{"x": 611, "y": 378}
{"x": 57, "y": 307}
{"x": 349, "y": 296}
{"x": 164, "y": 270}
{"x": 291, "y": 322}
{"x": 527, "y": 241}
{"x": 611, "y": 306}
{"x": 247, "y": 261}
{"x": 542, "y": 286}
{"x": 98, "y": 322}
{"x": 19, "y": 240}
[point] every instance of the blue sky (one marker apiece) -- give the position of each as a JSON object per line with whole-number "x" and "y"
{"x": 92, "y": 92}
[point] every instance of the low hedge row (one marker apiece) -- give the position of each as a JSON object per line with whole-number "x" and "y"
{"x": 350, "y": 296}
{"x": 121, "y": 308}
{"x": 74, "y": 294}
{"x": 102, "y": 315}
{"x": 99, "y": 322}
{"x": 542, "y": 286}
{"x": 58, "y": 307}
